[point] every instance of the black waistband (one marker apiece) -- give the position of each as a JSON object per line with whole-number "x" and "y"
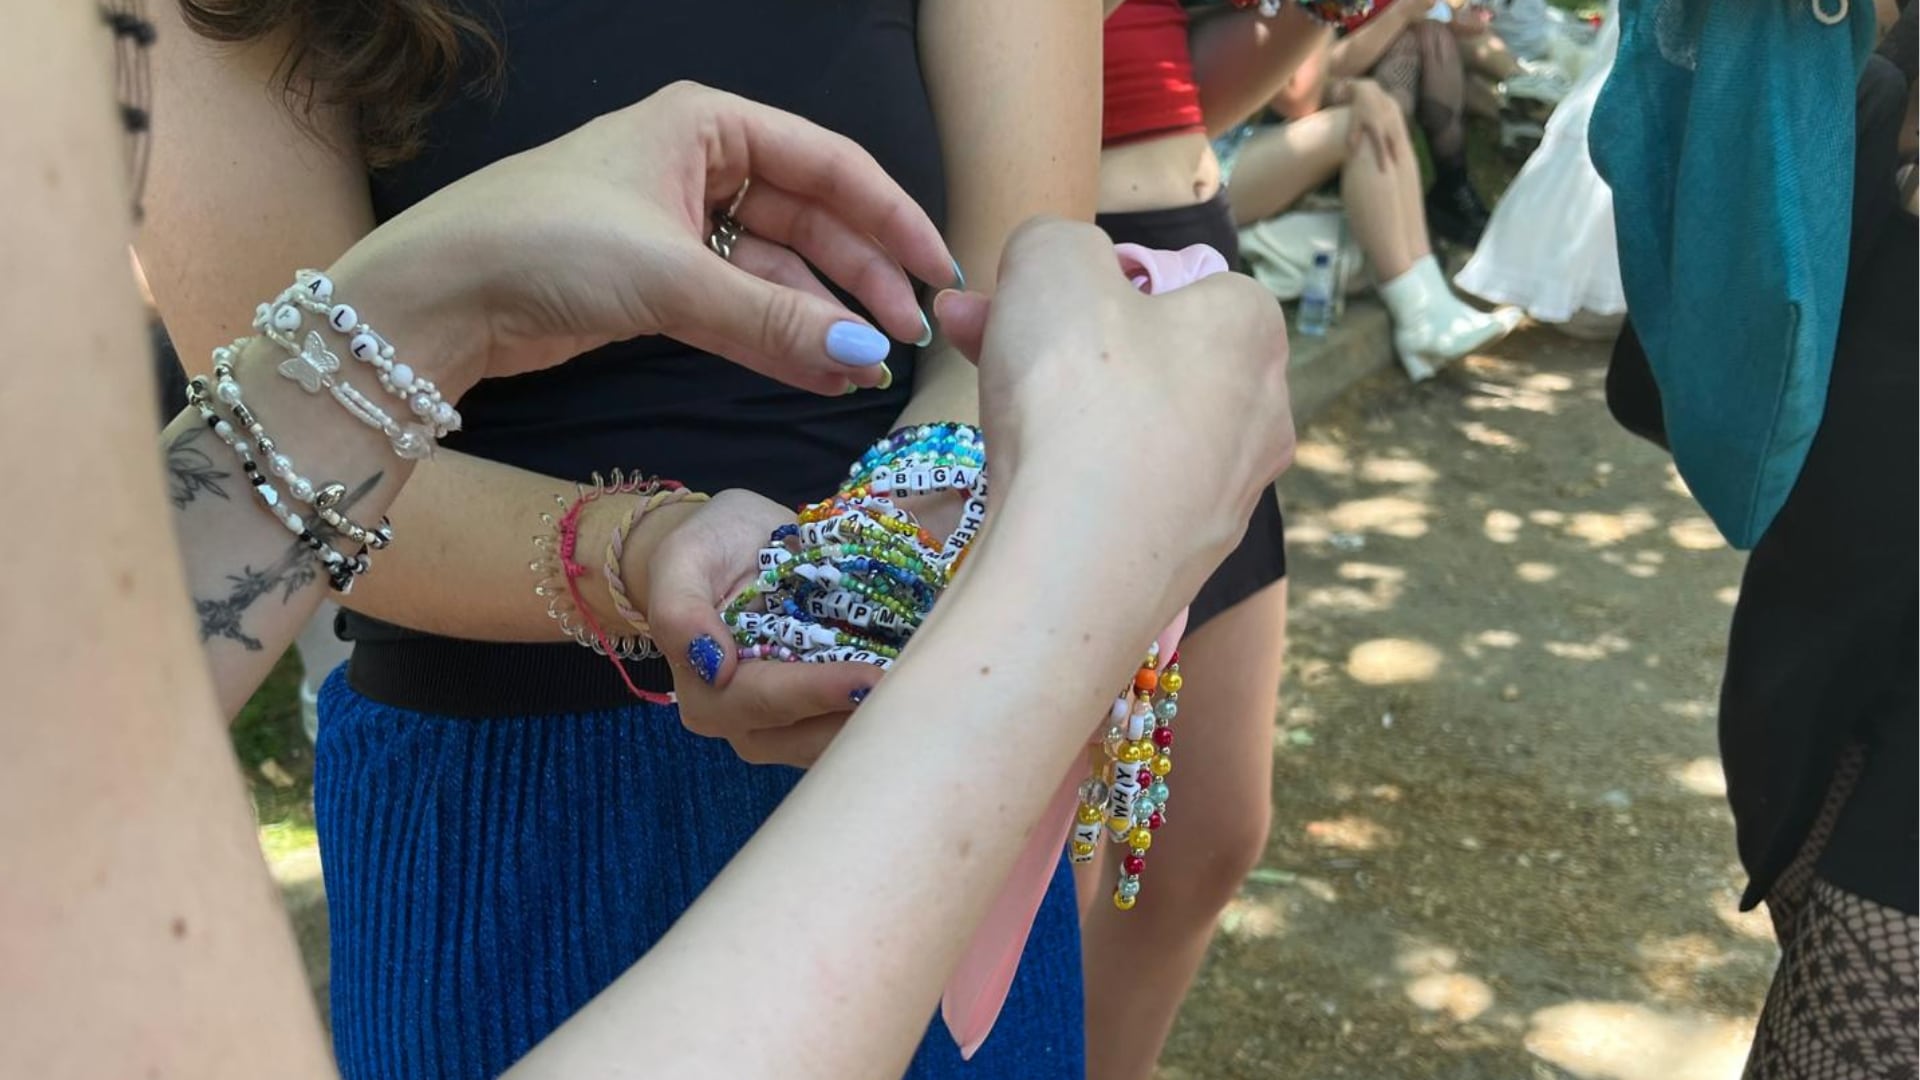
{"x": 450, "y": 677}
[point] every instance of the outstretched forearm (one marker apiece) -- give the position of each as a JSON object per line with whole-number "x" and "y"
{"x": 1241, "y": 61}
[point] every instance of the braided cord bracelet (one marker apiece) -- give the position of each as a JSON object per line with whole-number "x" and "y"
{"x": 666, "y": 493}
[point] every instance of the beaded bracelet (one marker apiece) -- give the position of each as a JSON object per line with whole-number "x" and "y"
{"x": 1128, "y": 792}
{"x": 663, "y": 493}
{"x": 313, "y": 365}
{"x": 341, "y": 570}
{"x": 856, "y": 574}
{"x": 325, "y": 499}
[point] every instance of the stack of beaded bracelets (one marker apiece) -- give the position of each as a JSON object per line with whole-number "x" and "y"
{"x": 313, "y": 365}
{"x": 1127, "y": 792}
{"x": 857, "y": 574}
{"x": 249, "y": 439}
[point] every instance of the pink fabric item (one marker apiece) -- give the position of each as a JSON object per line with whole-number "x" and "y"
{"x": 977, "y": 990}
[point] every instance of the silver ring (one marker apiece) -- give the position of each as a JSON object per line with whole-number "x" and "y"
{"x": 727, "y": 229}
{"x": 1833, "y": 18}
{"x": 726, "y": 233}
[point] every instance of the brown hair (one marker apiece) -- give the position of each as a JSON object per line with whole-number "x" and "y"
{"x": 391, "y": 63}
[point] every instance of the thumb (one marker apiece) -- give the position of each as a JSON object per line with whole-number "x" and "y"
{"x": 963, "y": 320}
{"x": 685, "y": 592}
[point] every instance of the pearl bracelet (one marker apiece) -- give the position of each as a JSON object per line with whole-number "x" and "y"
{"x": 341, "y": 569}
{"x": 313, "y": 365}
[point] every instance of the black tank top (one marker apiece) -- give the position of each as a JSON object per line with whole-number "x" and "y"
{"x": 653, "y": 404}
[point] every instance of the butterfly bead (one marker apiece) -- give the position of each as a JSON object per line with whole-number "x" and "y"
{"x": 313, "y": 366}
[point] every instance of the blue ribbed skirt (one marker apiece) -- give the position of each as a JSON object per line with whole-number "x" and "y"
{"x": 486, "y": 878}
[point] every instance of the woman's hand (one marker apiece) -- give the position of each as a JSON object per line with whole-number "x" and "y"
{"x": 1376, "y": 122}
{"x": 1159, "y": 419}
{"x": 601, "y": 236}
{"x": 771, "y": 713}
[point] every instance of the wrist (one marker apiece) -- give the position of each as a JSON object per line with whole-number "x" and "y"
{"x": 636, "y": 554}
{"x": 414, "y": 308}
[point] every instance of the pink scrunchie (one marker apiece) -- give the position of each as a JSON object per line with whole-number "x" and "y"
{"x": 978, "y": 988}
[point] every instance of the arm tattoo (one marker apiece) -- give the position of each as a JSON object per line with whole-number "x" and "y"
{"x": 189, "y": 469}
{"x": 293, "y": 571}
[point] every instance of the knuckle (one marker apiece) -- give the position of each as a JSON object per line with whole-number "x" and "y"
{"x": 782, "y": 320}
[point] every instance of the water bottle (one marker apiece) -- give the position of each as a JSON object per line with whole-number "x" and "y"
{"x": 1316, "y": 296}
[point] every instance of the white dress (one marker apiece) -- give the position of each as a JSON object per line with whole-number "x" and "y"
{"x": 1550, "y": 247}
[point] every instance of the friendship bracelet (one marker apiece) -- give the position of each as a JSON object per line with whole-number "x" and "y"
{"x": 341, "y": 570}
{"x": 559, "y": 573}
{"x": 313, "y": 291}
{"x": 1127, "y": 792}
{"x": 325, "y": 499}
{"x": 616, "y": 585}
{"x": 313, "y": 365}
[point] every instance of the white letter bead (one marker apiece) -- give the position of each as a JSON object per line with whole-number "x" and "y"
{"x": 364, "y": 347}
{"x": 343, "y": 318}
{"x": 402, "y": 375}
{"x": 286, "y": 318}
{"x": 320, "y": 287}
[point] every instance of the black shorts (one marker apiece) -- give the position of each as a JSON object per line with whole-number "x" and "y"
{"x": 1261, "y": 558}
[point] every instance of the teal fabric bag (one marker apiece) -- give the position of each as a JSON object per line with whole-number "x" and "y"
{"x": 1726, "y": 133}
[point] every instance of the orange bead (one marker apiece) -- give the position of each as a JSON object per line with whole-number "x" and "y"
{"x": 1144, "y": 680}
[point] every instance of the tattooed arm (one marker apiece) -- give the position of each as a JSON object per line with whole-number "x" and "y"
{"x": 252, "y": 583}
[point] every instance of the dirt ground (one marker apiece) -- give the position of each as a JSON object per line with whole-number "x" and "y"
{"x": 1500, "y": 844}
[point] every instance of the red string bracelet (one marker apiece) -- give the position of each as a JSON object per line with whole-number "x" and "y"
{"x": 573, "y": 570}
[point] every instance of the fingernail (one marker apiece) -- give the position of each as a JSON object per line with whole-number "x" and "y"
{"x": 886, "y": 378}
{"x": 857, "y": 343}
{"x": 959, "y": 276}
{"x": 926, "y": 333}
{"x": 850, "y": 390}
{"x": 860, "y": 695}
{"x": 705, "y": 655}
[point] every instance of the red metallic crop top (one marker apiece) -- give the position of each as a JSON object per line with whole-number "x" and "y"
{"x": 1148, "y": 73}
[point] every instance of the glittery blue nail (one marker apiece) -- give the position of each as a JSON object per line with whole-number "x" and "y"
{"x": 705, "y": 655}
{"x": 860, "y": 694}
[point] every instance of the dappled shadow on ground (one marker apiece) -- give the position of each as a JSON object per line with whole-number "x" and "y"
{"x": 1500, "y": 845}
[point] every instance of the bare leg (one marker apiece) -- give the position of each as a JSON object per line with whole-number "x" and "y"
{"x": 1281, "y": 164}
{"x": 1139, "y": 963}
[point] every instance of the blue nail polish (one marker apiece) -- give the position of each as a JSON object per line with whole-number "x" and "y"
{"x": 857, "y": 344}
{"x": 926, "y": 333}
{"x": 705, "y": 655}
{"x": 959, "y": 276}
{"x": 860, "y": 695}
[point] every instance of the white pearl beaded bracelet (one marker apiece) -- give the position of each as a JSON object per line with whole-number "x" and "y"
{"x": 341, "y": 569}
{"x": 313, "y": 365}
